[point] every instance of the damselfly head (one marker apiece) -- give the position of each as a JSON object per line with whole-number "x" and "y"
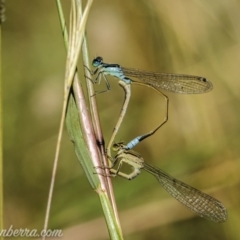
{"x": 97, "y": 61}
{"x": 117, "y": 146}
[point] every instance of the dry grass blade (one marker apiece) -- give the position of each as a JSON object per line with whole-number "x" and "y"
{"x": 2, "y": 19}
{"x": 75, "y": 42}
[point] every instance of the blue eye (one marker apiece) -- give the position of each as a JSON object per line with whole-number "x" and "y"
{"x": 97, "y": 61}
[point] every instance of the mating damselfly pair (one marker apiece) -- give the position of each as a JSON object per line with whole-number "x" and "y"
{"x": 197, "y": 201}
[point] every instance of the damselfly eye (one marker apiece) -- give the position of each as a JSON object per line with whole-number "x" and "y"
{"x": 97, "y": 61}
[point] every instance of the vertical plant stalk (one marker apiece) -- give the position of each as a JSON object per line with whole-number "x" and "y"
{"x": 78, "y": 137}
{"x": 82, "y": 134}
{"x": 106, "y": 185}
{"x": 97, "y": 128}
{"x": 2, "y": 19}
{"x": 68, "y": 83}
{"x": 79, "y": 97}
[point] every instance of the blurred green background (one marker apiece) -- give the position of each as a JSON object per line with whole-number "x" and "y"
{"x": 199, "y": 144}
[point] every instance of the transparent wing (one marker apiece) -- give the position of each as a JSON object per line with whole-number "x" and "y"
{"x": 178, "y": 83}
{"x": 197, "y": 201}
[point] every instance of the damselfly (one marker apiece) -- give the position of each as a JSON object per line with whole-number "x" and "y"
{"x": 177, "y": 83}
{"x": 201, "y": 203}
